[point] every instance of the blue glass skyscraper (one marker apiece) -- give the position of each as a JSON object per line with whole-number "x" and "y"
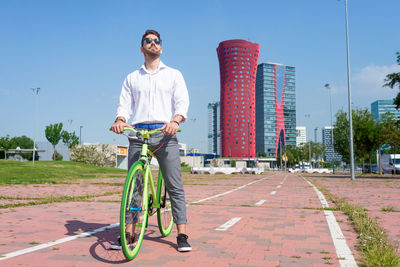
{"x": 275, "y": 108}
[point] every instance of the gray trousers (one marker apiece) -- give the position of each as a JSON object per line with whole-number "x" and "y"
{"x": 170, "y": 164}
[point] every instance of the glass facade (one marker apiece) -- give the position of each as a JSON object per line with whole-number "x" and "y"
{"x": 380, "y": 107}
{"x": 275, "y": 108}
{"x": 214, "y": 131}
{"x": 327, "y": 141}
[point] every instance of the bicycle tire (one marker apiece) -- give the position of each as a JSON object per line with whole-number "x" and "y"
{"x": 164, "y": 212}
{"x": 133, "y": 212}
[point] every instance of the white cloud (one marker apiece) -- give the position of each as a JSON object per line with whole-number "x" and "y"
{"x": 369, "y": 82}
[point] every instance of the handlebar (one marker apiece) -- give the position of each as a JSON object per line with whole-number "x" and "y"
{"x": 143, "y": 133}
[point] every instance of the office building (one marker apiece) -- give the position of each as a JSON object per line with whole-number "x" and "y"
{"x": 381, "y": 107}
{"x": 327, "y": 141}
{"x": 238, "y": 66}
{"x": 301, "y": 135}
{"x": 275, "y": 108}
{"x": 214, "y": 129}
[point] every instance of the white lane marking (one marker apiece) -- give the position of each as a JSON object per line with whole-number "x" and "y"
{"x": 259, "y": 203}
{"x": 343, "y": 251}
{"x": 228, "y": 224}
{"x": 59, "y": 241}
{"x": 228, "y": 192}
{"x": 279, "y": 186}
{"x": 284, "y": 179}
{"x": 70, "y": 238}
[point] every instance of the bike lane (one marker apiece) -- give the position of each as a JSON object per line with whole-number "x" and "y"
{"x": 276, "y": 221}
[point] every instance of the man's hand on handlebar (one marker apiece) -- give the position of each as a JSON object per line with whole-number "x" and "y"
{"x": 170, "y": 128}
{"x": 117, "y": 127}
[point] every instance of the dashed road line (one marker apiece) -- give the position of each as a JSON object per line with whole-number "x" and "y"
{"x": 279, "y": 186}
{"x": 259, "y": 203}
{"x": 70, "y": 238}
{"x": 228, "y": 224}
{"x": 228, "y": 192}
{"x": 343, "y": 251}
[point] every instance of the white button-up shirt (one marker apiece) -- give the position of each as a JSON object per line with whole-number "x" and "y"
{"x": 153, "y": 97}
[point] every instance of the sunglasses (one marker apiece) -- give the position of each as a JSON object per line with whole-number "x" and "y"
{"x": 156, "y": 40}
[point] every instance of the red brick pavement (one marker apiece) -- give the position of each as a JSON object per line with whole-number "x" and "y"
{"x": 286, "y": 230}
{"x": 376, "y": 194}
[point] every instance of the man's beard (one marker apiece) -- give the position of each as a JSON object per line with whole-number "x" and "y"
{"x": 152, "y": 54}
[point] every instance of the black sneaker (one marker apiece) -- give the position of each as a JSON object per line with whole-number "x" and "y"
{"x": 117, "y": 245}
{"x": 183, "y": 245}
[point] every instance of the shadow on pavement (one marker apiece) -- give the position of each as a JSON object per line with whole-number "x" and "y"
{"x": 100, "y": 249}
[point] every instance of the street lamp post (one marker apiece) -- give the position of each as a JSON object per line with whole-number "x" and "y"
{"x": 309, "y": 143}
{"x": 349, "y": 96}
{"x": 332, "y": 139}
{"x": 315, "y": 141}
{"x": 248, "y": 138}
{"x": 315, "y": 134}
{"x": 35, "y": 90}
{"x": 80, "y": 135}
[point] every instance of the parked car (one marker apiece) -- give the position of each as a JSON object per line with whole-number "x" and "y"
{"x": 390, "y": 163}
{"x": 373, "y": 168}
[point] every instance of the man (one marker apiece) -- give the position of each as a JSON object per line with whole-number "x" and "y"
{"x": 158, "y": 98}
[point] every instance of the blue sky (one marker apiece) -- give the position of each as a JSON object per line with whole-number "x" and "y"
{"x": 79, "y": 52}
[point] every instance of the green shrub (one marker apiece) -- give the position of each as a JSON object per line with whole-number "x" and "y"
{"x": 57, "y": 156}
{"x": 233, "y": 163}
{"x": 98, "y": 155}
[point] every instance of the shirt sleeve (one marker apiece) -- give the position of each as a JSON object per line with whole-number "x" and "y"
{"x": 126, "y": 101}
{"x": 181, "y": 96}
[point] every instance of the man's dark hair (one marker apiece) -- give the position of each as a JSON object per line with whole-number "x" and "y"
{"x": 150, "y": 32}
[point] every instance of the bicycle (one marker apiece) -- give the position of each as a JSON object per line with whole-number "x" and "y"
{"x": 138, "y": 203}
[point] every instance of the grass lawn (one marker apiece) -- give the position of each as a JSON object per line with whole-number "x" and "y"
{"x": 52, "y": 172}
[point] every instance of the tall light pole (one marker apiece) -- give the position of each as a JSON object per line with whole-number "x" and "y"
{"x": 309, "y": 143}
{"x": 35, "y": 90}
{"x": 349, "y": 96}
{"x": 315, "y": 134}
{"x": 315, "y": 141}
{"x": 80, "y": 135}
{"x": 332, "y": 139}
{"x": 248, "y": 138}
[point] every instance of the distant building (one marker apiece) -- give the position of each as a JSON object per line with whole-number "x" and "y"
{"x": 301, "y": 135}
{"x": 49, "y": 150}
{"x": 182, "y": 149}
{"x": 214, "y": 129}
{"x": 381, "y": 107}
{"x": 238, "y": 66}
{"x": 327, "y": 141}
{"x": 275, "y": 108}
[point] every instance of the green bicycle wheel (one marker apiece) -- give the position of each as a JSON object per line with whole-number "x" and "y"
{"x": 133, "y": 213}
{"x": 164, "y": 213}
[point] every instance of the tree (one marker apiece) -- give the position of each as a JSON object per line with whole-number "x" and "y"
{"x": 392, "y": 80}
{"x": 364, "y": 135}
{"x": 5, "y": 145}
{"x": 293, "y": 155}
{"x": 341, "y": 134}
{"x": 53, "y": 135}
{"x": 70, "y": 139}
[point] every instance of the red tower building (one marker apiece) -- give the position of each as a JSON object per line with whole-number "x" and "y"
{"x": 238, "y": 67}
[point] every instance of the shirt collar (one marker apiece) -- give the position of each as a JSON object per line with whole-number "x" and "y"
{"x": 160, "y": 66}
